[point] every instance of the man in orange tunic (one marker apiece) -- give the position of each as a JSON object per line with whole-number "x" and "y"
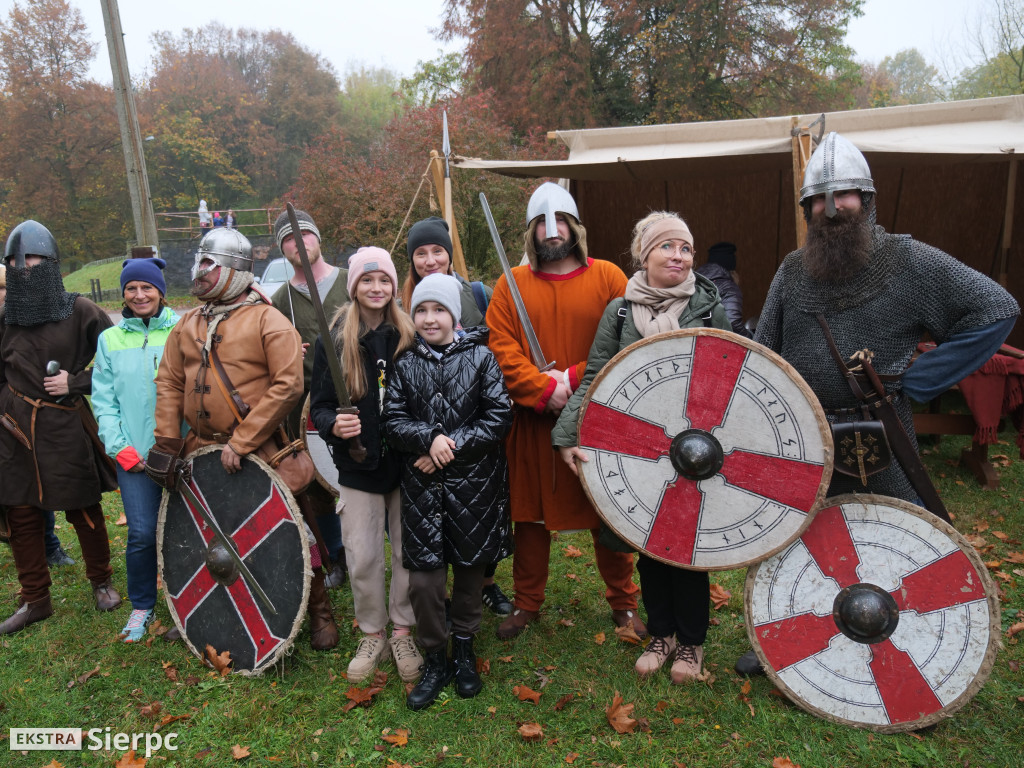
{"x": 565, "y": 294}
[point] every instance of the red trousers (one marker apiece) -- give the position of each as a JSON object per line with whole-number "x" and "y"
{"x": 530, "y": 569}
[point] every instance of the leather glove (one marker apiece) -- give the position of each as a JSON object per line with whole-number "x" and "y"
{"x": 164, "y": 461}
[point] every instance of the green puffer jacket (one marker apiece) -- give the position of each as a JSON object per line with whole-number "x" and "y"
{"x": 703, "y": 310}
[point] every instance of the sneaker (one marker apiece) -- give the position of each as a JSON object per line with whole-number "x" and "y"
{"x": 516, "y": 622}
{"x": 654, "y": 658}
{"x": 59, "y": 559}
{"x": 336, "y": 575}
{"x": 371, "y": 653}
{"x": 688, "y": 664}
{"x": 407, "y": 657}
{"x": 630, "y": 619}
{"x": 135, "y": 629}
{"x": 496, "y": 600}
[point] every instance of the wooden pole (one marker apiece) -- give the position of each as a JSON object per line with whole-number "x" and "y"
{"x": 801, "y": 154}
{"x": 1011, "y": 197}
{"x": 443, "y": 191}
{"x": 131, "y": 138}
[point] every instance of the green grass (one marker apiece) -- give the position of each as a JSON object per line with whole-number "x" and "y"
{"x": 293, "y": 715}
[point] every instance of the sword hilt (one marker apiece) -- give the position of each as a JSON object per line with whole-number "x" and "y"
{"x": 355, "y": 446}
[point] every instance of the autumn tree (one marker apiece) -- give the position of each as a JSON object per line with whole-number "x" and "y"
{"x": 362, "y": 199}
{"x": 370, "y": 98}
{"x": 60, "y": 161}
{"x": 576, "y": 63}
{"x": 998, "y": 68}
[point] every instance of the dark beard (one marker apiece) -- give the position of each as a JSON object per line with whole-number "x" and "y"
{"x": 838, "y": 248}
{"x": 548, "y": 253}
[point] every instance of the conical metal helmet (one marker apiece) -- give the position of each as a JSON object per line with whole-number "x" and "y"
{"x": 835, "y": 166}
{"x": 226, "y": 248}
{"x": 30, "y": 238}
{"x": 547, "y": 200}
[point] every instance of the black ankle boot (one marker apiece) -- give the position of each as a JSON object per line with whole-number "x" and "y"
{"x": 467, "y": 680}
{"x": 437, "y": 673}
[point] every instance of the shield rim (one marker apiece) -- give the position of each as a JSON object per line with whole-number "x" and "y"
{"x": 293, "y": 508}
{"x": 303, "y": 421}
{"x": 794, "y": 376}
{"x": 991, "y": 597}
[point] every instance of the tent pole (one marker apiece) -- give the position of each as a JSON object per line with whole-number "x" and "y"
{"x": 801, "y": 139}
{"x": 1011, "y": 195}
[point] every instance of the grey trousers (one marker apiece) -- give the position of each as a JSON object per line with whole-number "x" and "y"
{"x": 427, "y": 588}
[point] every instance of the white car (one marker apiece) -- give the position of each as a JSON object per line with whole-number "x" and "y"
{"x": 277, "y": 272}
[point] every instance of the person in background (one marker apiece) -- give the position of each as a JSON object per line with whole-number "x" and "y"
{"x": 205, "y": 220}
{"x": 218, "y": 221}
{"x": 229, "y": 219}
{"x": 720, "y": 269}
{"x": 124, "y": 401}
{"x": 447, "y": 412}
{"x": 430, "y": 252}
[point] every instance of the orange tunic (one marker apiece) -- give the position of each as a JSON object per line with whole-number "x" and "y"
{"x": 565, "y": 311}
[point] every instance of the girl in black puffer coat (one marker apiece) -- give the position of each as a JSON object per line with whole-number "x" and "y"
{"x": 447, "y": 411}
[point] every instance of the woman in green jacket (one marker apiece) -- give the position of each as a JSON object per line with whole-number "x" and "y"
{"x": 664, "y": 294}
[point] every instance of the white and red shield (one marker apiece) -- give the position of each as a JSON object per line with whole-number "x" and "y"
{"x": 707, "y": 451}
{"x": 323, "y": 461}
{"x": 880, "y": 616}
{"x": 211, "y": 602}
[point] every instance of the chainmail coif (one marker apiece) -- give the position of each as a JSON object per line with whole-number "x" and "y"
{"x": 36, "y": 295}
{"x": 903, "y": 292}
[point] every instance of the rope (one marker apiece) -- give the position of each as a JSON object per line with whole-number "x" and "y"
{"x": 408, "y": 213}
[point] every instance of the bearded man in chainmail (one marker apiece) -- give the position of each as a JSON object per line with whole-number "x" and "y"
{"x": 878, "y": 292}
{"x": 256, "y": 349}
{"x": 50, "y": 454}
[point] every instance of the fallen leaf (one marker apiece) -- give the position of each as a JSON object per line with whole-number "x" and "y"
{"x": 239, "y": 752}
{"x": 746, "y": 688}
{"x": 364, "y": 696}
{"x": 599, "y": 638}
{"x": 719, "y": 596}
{"x": 166, "y": 719}
{"x": 571, "y": 757}
{"x": 399, "y": 738}
{"x": 82, "y": 678}
{"x": 661, "y": 706}
{"x": 572, "y": 551}
{"x": 219, "y": 661}
{"x": 560, "y": 704}
{"x": 1015, "y": 557}
{"x": 483, "y": 666}
{"x": 1013, "y": 665}
{"x": 170, "y": 671}
{"x": 1014, "y": 629}
{"x": 131, "y": 761}
{"x": 531, "y": 732}
{"x": 993, "y": 564}
{"x": 1004, "y": 576}
{"x": 526, "y": 694}
{"x": 627, "y": 634}
{"x": 505, "y": 659}
{"x": 783, "y": 762}
{"x": 492, "y": 710}
{"x": 572, "y": 577}
{"x": 619, "y": 715}
{"x": 1000, "y": 535}
{"x": 151, "y": 710}
{"x": 567, "y": 622}
{"x": 53, "y": 764}
{"x": 978, "y": 542}
{"x": 678, "y": 720}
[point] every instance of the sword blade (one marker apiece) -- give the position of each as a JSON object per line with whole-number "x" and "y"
{"x": 190, "y": 496}
{"x": 524, "y": 318}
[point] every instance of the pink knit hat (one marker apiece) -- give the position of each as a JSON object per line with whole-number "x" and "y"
{"x": 371, "y": 259}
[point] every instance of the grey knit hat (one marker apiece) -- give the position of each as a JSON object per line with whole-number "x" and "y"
{"x": 444, "y": 289}
{"x": 283, "y": 226}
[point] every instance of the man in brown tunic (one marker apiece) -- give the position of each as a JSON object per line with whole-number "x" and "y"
{"x": 50, "y": 457}
{"x": 260, "y": 352}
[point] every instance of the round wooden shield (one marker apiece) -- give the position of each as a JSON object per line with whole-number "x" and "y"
{"x": 323, "y": 461}
{"x": 880, "y": 616}
{"x": 706, "y": 450}
{"x": 211, "y": 601}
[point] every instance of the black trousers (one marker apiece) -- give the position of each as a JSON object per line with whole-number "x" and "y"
{"x": 426, "y": 593}
{"x": 677, "y": 600}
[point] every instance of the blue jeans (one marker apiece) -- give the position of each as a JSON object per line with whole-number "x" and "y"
{"x": 141, "y": 499}
{"x": 330, "y": 529}
{"x": 52, "y": 542}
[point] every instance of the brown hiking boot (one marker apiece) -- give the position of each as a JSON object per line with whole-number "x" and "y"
{"x": 106, "y": 596}
{"x": 27, "y": 613}
{"x": 516, "y": 622}
{"x": 630, "y": 619}
{"x": 323, "y": 632}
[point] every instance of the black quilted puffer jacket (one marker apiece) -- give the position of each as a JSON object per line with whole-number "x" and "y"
{"x": 457, "y": 515}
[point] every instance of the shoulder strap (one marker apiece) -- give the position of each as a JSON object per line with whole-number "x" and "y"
{"x": 620, "y": 319}
{"x": 238, "y": 406}
{"x": 480, "y": 295}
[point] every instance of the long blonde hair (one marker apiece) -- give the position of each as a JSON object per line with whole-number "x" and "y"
{"x": 347, "y": 328}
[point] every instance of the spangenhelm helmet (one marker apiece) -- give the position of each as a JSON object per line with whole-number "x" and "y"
{"x": 836, "y": 165}
{"x": 229, "y": 249}
{"x": 547, "y": 200}
{"x": 30, "y": 238}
